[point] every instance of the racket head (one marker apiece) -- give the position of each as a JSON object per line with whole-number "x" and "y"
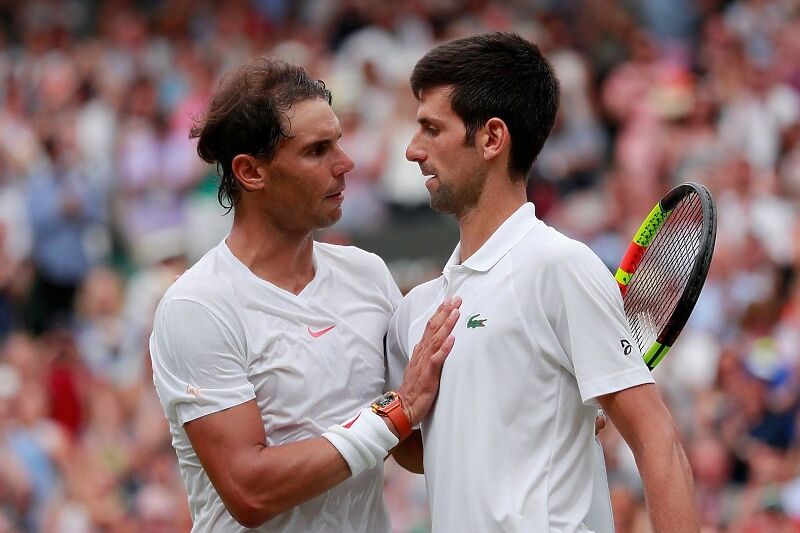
{"x": 663, "y": 271}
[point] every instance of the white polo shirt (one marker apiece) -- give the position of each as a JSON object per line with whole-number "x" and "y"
{"x": 509, "y": 443}
{"x": 223, "y": 336}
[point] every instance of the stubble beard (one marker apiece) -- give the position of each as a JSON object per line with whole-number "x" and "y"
{"x": 453, "y": 199}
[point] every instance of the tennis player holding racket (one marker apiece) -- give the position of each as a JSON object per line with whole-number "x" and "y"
{"x": 543, "y": 338}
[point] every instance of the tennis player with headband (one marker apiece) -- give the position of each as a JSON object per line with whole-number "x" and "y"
{"x": 268, "y": 353}
{"x": 542, "y": 337}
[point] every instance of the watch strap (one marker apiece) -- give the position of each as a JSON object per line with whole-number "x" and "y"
{"x": 394, "y": 411}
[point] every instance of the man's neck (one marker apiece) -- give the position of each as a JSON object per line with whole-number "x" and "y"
{"x": 494, "y": 207}
{"x": 282, "y": 258}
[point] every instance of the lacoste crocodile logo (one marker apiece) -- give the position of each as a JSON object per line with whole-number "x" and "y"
{"x": 473, "y": 322}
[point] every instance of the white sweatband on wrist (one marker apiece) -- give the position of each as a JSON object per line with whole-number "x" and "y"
{"x": 363, "y": 441}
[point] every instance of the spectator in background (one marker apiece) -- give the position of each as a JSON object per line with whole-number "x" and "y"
{"x": 572, "y": 156}
{"x": 757, "y": 115}
{"x": 711, "y": 464}
{"x": 7, "y": 315}
{"x": 40, "y": 444}
{"x": 156, "y": 170}
{"x": 363, "y": 208}
{"x": 99, "y": 326}
{"x": 65, "y": 210}
{"x": 630, "y": 99}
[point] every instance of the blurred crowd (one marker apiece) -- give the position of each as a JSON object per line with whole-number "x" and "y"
{"x": 103, "y": 201}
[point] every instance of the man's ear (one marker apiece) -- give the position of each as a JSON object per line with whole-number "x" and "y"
{"x": 249, "y": 172}
{"x": 494, "y": 138}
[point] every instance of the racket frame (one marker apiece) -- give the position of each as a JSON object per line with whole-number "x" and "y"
{"x": 639, "y": 247}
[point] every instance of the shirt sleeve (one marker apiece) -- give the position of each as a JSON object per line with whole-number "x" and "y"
{"x": 397, "y": 355}
{"x": 199, "y": 366}
{"x": 394, "y": 360}
{"x": 589, "y": 321}
{"x": 393, "y": 292}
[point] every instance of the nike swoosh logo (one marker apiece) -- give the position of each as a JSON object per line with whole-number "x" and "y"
{"x": 353, "y": 421}
{"x": 320, "y": 333}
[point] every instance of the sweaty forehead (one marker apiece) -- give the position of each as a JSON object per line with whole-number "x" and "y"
{"x": 434, "y": 104}
{"x": 312, "y": 118}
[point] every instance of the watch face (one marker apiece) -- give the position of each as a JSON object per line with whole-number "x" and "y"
{"x": 385, "y": 400}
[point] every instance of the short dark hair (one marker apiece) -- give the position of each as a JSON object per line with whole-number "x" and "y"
{"x": 496, "y": 75}
{"x": 247, "y": 115}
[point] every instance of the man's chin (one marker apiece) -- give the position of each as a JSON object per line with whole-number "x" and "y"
{"x": 330, "y": 219}
{"x": 438, "y": 206}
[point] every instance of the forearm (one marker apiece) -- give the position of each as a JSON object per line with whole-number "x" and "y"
{"x": 668, "y": 487}
{"x": 274, "y": 479}
{"x": 257, "y": 482}
{"x": 644, "y": 422}
{"x": 408, "y": 453}
{"x": 263, "y": 481}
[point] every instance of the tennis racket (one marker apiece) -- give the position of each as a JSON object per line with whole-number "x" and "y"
{"x": 665, "y": 266}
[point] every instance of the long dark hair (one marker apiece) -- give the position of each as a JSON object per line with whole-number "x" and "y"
{"x": 247, "y": 115}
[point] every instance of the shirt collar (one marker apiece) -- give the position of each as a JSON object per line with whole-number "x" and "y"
{"x": 504, "y": 238}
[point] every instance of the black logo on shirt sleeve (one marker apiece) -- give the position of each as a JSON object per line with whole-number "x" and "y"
{"x": 626, "y": 346}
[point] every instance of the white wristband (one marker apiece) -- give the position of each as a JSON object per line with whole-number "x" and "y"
{"x": 363, "y": 441}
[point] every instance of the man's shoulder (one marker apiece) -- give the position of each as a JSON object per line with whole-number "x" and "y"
{"x": 424, "y": 291}
{"x": 557, "y": 262}
{"x": 346, "y": 253}
{"x": 420, "y": 296}
{"x": 207, "y": 282}
{"x": 548, "y": 247}
{"x": 351, "y": 258}
{"x": 414, "y": 307}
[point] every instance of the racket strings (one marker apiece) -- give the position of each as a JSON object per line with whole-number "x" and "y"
{"x": 661, "y": 277}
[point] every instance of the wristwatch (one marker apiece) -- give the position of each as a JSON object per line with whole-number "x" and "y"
{"x": 390, "y": 406}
